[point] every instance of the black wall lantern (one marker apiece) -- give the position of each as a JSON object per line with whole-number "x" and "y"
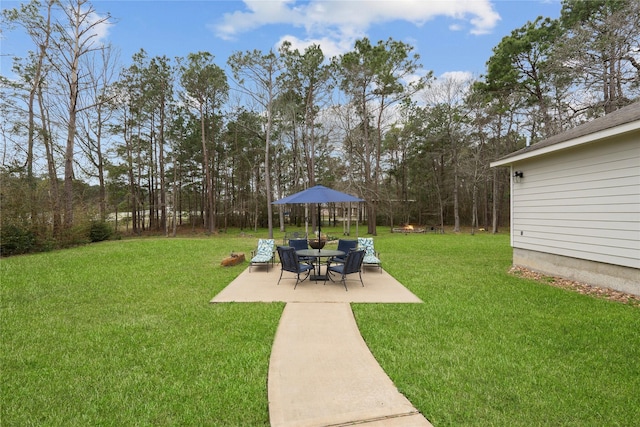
{"x": 518, "y": 175}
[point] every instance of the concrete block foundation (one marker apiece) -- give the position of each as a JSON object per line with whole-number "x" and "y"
{"x": 623, "y": 279}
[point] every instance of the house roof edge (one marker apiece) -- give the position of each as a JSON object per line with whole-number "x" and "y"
{"x": 619, "y": 122}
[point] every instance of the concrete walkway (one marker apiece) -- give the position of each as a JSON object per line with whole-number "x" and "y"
{"x": 321, "y": 372}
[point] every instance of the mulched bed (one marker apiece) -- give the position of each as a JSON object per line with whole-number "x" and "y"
{"x": 580, "y": 287}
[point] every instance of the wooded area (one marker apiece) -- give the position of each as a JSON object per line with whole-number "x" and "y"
{"x": 161, "y": 142}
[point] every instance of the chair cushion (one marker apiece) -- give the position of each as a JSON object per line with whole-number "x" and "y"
{"x": 371, "y": 259}
{"x": 265, "y": 246}
{"x": 264, "y": 252}
{"x": 262, "y": 258}
{"x": 366, "y": 243}
{"x": 337, "y": 268}
{"x": 305, "y": 267}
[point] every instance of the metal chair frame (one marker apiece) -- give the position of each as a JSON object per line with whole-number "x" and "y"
{"x": 290, "y": 262}
{"x": 352, "y": 264}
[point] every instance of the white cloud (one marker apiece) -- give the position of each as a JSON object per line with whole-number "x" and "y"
{"x": 258, "y": 13}
{"x": 339, "y": 23}
{"x": 97, "y": 26}
{"x": 330, "y": 46}
{"x": 101, "y": 26}
{"x": 461, "y": 76}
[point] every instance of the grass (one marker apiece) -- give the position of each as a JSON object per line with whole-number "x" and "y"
{"x": 487, "y": 348}
{"x": 122, "y": 333}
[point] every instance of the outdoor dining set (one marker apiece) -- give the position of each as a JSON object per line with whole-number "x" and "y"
{"x": 299, "y": 258}
{"x": 306, "y": 262}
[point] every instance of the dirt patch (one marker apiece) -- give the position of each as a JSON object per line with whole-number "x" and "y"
{"x": 580, "y": 287}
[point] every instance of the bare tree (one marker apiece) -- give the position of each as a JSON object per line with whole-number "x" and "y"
{"x": 257, "y": 74}
{"x": 77, "y": 38}
{"x": 600, "y": 47}
{"x": 93, "y": 122}
{"x": 451, "y": 122}
{"x": 39, "y": 29}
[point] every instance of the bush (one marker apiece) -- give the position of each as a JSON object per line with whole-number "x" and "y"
{"x": 99, "y": 231}
{"x": 15, "y": 240}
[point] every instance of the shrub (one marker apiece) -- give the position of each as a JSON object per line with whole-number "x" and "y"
{"x": 15, "y": 240}
{"x": 99, "y": 231}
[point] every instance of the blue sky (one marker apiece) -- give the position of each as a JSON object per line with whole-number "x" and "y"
{"x": 451, "y": 36}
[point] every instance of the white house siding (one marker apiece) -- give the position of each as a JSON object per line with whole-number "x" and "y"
{"x": 582, "y": 202}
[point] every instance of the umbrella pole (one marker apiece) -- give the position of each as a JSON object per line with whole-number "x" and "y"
{"x": 306, "y": 220}
{"x": 319, "y": 232}
{"x": 357, "y": 220}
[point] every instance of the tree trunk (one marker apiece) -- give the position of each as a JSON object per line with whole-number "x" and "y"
{"x": 174, "y": 203}
{"x": 163, "y": 196}
{"x": 208, "y": 187}
{"x": 100, "y": 166}
{"x": 69, "y": 151}
{"x": 54, "y": 190}
{"x": 496, "y": 201}
{"x": 267, "y": 167}
{"x": 456, "y": 208}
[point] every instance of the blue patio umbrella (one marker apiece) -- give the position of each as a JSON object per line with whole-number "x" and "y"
{"x": 318, "y": 194}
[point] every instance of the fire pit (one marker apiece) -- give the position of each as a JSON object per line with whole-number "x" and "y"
{"x": 408, "y": 229}
{"x": 317, "y": 244}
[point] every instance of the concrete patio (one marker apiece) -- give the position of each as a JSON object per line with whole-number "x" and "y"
{"x": 260, "y": 285}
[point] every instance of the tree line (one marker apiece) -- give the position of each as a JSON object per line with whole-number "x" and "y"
{"x": 170, "y": 142}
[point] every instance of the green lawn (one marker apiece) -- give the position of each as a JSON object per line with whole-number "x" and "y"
{"x": 122, "y": 333}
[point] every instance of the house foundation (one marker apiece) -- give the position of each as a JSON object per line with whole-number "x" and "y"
{"x": 623, "y": 279}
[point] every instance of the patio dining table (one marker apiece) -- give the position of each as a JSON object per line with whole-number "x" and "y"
{"x": 319, "y": 253}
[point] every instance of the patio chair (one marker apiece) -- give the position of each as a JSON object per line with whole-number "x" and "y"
{"x": 371, "y": 256}
{"x": 352, "y": 264}
{"x": 263, "y": 254}
{"x": 289, "y": 262}
{"x": 345, "y": 246}
{"x": 290, "y": 235}
{"x": 301, "y": 244}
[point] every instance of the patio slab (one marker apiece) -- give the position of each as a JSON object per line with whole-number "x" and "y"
{"x": 260, "y": 285}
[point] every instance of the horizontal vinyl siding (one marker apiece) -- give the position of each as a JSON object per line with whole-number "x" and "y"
{"x": 582, "y": 203}
{"x": 596, "y": 230}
